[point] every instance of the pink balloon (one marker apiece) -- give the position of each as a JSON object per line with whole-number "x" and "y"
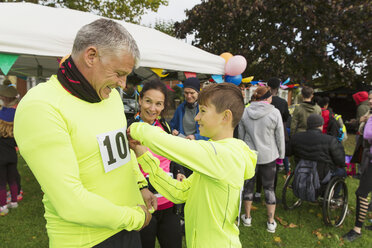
{"x": 236, "y": 65}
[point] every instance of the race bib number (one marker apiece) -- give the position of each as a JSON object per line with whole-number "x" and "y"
{"x": 114, "y": 149}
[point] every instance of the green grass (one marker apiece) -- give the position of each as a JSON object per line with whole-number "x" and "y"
{"x": 25, "y": 226}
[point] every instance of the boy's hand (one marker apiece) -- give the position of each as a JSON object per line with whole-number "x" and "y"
{"x": 150, "y": 199}
{"x": 135, "y": 145}
{"x": 148, "y": 217}
{"x": 175, "y": 132}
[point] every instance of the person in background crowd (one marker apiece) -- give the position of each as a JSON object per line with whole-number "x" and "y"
{"x": 183, "y": 123}
{"x": 165, "y": 223}
{"x": 12, "y": 102}
{"x": 361, "y": 100}
{"x": 323, "y": 103}
{"x": 94, "y": 192}
{"x": 8, "y": 154}
{"x": 365, "y": 187}
{"x": 361, "y": 146}
{"x": 303, "y": 110}
{"x": 324, "y": 149}
{"x": 282, "y": 106}
{"x": 261, "y": 127}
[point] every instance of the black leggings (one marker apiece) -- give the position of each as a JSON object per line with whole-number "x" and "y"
{"x": 122, "y": 239}
{"x": 259, "y": 182}
{"x": 8, "y": 174}
{"x": 365, "y": 186}
{"x": 165, "y": 225}
{"x": 267, "y": 174}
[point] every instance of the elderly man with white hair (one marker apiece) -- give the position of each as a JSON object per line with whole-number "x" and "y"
{"x": 71, "y": 131}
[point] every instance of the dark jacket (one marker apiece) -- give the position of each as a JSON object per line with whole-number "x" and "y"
{"x": 315, "y": 146}
{"x": 177, "y": 121}
{"x": 282, "y": 106}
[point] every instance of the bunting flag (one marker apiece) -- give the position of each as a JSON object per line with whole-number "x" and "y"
{"x": 159, "y": 72}
{"x": 247, "y": 79}
{"x": 217, "y": 78}
{"x": 7, "y": 61}
{"x": 286, "y": 81}
{"x": 189, "y": 74}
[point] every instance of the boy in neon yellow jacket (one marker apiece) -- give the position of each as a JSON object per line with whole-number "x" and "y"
{"x": 220, "y": 165}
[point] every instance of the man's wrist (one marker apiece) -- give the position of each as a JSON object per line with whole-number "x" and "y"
{"x": 144, "y": 187}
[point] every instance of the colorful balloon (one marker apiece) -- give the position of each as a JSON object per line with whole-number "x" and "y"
{"x": 234, "y": 79}
{"x": 235, "y": 66}
{"x": 226, "y": 56}
{"x": 217, "y": 78}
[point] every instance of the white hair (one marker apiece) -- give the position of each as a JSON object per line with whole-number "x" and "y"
{"x": 108, "y": 36}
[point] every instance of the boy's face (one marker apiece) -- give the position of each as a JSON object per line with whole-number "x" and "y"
{"x": 210, "y": 122}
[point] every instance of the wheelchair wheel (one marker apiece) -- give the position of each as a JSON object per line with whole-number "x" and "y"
{"x": 335, "y": 202}
{"x": 289, "y": 200}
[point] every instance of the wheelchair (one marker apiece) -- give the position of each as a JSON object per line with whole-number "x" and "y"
{"x": 334, "y": 207}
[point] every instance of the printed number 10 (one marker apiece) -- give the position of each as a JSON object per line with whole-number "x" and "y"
{"x": 120, "y": 146}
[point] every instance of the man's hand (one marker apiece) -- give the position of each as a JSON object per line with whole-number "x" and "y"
{"x": 175, "y": 132}
{"x": 150, "y": 199}
{"x": 148, "y": 217}
{"x": 190, "y": 137}
{"x": 180, "y": 177}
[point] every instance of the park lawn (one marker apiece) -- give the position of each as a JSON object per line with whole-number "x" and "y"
{"x": 25, "y": 226}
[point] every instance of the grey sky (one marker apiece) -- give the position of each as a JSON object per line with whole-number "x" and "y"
{"x": 174, "y": 11}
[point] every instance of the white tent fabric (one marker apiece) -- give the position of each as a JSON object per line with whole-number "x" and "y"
{"x": 40, "y": 34}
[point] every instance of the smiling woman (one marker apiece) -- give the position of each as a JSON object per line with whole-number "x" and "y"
{"x": 165, "y": 224}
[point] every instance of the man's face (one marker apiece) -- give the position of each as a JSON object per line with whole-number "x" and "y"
{"x": 370, "y": 100}
{"x": 111, "y": 71}
{"x": 191, "y": 95}
{"x": 209, "y": 120}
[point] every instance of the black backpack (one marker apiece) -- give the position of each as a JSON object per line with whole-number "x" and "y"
{"x": 306, "y": 180}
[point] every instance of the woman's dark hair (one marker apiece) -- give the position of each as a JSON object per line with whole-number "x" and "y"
{"x": 156, "y": 84}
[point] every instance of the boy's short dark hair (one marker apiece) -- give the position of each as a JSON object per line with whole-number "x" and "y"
{"x": 307, "y": 91}
{"x": 224, "y": 96}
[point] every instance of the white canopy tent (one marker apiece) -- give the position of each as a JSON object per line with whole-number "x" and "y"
{"x": 39, "y": 35}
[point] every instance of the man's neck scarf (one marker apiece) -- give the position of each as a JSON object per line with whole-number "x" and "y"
{"x": 75, "y": 83}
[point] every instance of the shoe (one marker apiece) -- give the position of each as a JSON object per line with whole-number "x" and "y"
{"x": 351, "y": 235}
{"x": 12, "y": 204}
{"x": 4, "y": 210}
{"x": 19, "y": 198}
{"x": 271, "y": 227}
{"x": 246, "y": 221}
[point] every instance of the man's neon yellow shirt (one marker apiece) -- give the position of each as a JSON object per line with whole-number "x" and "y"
{"x": 211, "y": 193}
{"x": 56, "y": 134}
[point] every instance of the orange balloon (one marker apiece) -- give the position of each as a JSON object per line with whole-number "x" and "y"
{"x": 226, "y": 56}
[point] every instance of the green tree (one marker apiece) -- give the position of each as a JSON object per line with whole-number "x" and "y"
{"x": 164, "y": 26}
{"x": 324, "y": 43}
{"x": 129, "y": 10}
